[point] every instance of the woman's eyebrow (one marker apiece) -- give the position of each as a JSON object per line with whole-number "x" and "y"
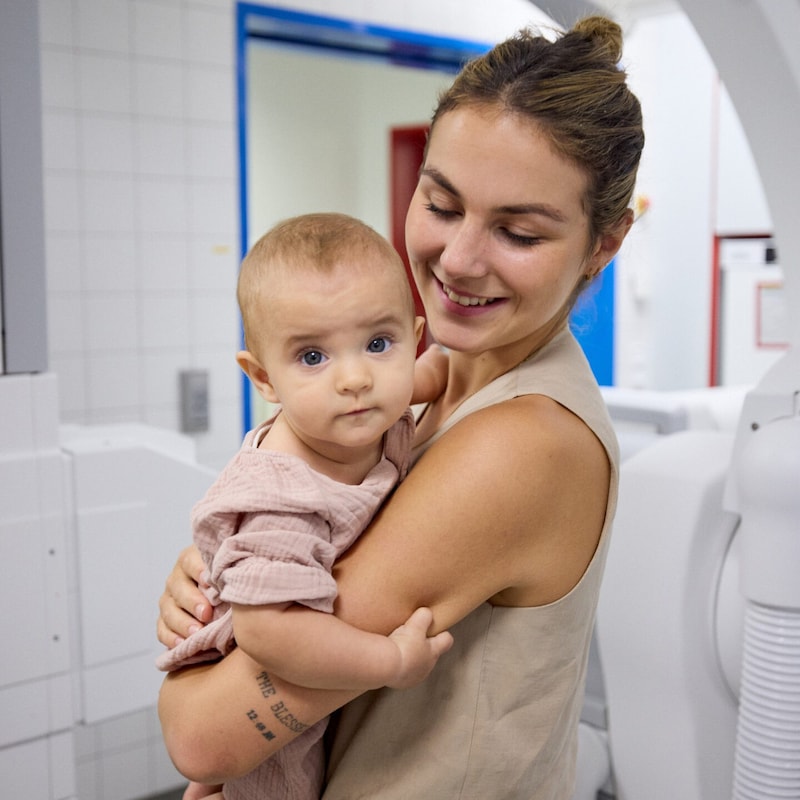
{"x": 540, "y": 209}
{"x": 437, "y": 177}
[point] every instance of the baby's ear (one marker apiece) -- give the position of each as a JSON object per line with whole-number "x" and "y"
{"x": 419, "y": 328}
{"x": 251, "y": 367}
{"x": 430, "y": 375}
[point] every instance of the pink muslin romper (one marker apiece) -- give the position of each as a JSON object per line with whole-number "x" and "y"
{"x": 269, "y": 530}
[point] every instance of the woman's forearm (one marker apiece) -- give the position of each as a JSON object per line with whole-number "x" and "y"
{"x": 221, "y": 721}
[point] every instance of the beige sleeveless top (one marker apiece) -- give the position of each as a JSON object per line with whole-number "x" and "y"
{"x": 498, "y": 716}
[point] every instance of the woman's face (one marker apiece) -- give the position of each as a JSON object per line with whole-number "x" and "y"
{"x": 496, "y": 233}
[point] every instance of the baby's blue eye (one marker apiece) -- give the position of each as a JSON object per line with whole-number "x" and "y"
{"x": 312, "y": 358}
{"x": 379, "y": 345}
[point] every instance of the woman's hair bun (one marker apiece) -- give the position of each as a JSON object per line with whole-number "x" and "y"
{"x": 604, "y": 33}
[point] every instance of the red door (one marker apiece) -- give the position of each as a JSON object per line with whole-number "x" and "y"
{"x": 406, "y": 150}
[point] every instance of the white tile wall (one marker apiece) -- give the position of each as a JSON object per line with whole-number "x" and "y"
{"x": 36, "y": 701}
{"x": 157, "y": 30}
{"x": 110, "y": 322}
{"x": 60, "y": 140}
{"x": 140, "y": 185}
{"x": 123, "y": 758}
{"x": 102, "y": 25}
{"x": 55, "y": 22}
{"x": 58, "y": 76}
{"x": 163, "y": 264}
{"x": 106, "y": 204}
{"x": 160, "y": 147}
{"x": 26, "y": 579}
{"x": 49, "y": 772}
{"x": 61, "y": 201}
{"x": 158, "y": 89}
{"x": 106, "y": 144}
{"x": 64, "y": 261}
{"x": 209, "y": 94}
{"x": 109, "y": 262}
{"x": 104, "y": 82}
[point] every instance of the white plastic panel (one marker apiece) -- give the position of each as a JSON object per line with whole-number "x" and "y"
{"x": 113, "y": 607}
{"x": 672, "y": 717}
{"x": 133, "y": 490}
{"x": 24, "y": 771}
{"x": 121, "y": 687}
{"x": 21, "y": 549}
{"x": 35, "y": 708}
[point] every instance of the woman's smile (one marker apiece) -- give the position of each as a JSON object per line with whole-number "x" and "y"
{"x": 466, "y": 301}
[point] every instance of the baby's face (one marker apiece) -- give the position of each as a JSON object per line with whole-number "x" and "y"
{"x": 339, "y": 350}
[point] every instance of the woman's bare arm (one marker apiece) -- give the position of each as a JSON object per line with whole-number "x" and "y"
{"x": 507, "y": 507}
{"x": 221, "y": 721}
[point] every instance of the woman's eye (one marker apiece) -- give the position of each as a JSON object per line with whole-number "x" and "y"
{"x": 312, "y": 358}
{"x": 439, "y": 212}
{"x": 518, "y": 238}
{"x": 380, "y": 344}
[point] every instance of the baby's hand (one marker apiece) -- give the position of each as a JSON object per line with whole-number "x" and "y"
{"x": 198, "y": 791}
{"x": 430, "y": 375}
{"x": 418, "y": 651}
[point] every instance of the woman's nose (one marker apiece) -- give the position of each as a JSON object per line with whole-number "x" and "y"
{"x": 464, "y": 253}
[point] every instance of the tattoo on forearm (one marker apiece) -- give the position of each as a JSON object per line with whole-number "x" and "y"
{"x": 265, "y": 684}
{"x": 285, "y": 717}
{"x": 260, "y": 726}
{"x": 279, "y": 710}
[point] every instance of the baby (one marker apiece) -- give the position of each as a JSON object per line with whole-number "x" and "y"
{"x": 331, "y": 336}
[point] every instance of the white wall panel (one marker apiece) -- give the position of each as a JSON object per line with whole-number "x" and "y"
{"x": 133, "y": 490}
{"x": 24, "y": 771}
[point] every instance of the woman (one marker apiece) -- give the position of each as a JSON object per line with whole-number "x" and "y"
{"x": 502, "y": 526}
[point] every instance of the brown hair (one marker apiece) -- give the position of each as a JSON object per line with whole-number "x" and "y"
{"x": 574, "y": 90}
{"x": 318, "y": 242}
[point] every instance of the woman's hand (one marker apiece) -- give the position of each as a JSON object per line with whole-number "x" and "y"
{"x": 183, "y": 607}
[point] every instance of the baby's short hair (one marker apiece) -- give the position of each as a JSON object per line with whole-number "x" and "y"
{"x": 318, "y": 242}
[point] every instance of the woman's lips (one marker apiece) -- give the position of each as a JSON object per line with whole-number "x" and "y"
{"x": 466, "y": 304}
{"x": 466, "y": 299}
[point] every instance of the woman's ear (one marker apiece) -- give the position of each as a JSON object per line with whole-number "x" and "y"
{"x": 608, "y": 245}
{"x": 251, "y": 367}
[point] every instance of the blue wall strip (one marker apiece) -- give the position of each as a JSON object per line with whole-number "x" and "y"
{"x": 592, "y": 322}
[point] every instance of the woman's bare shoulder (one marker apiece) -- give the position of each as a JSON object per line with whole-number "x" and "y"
{"x": 484, "y": 513}
{"x": 553, "y": 492}
{"x": 531, "y": 436}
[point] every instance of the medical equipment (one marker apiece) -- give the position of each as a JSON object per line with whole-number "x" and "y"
{"x": 699, "y": 619}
